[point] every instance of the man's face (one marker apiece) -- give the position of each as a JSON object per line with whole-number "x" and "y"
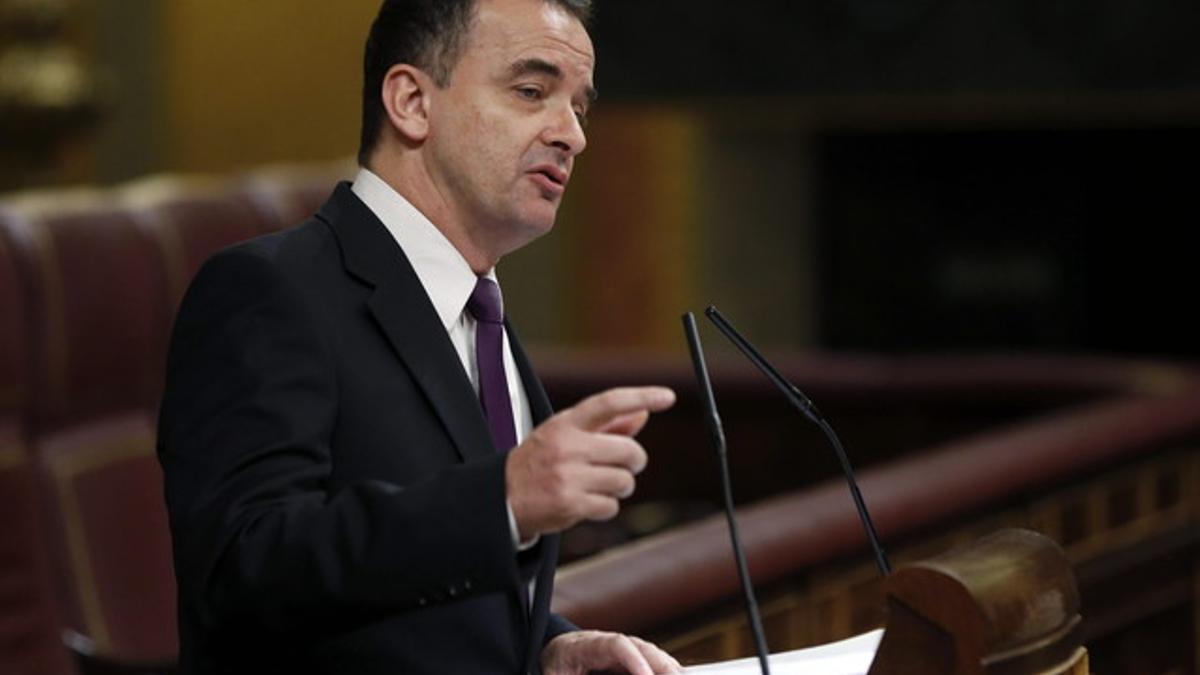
{"x": 505, "y": 131}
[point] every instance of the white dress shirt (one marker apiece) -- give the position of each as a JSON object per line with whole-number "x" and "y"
{"x": 448, "y": 280}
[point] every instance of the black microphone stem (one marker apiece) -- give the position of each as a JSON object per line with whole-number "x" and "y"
{"x": 864, "y": 515}
{"x": 718, "y": 436}
{"x": 805, "y": 406}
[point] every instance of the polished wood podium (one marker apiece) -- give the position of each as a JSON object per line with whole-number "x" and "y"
{"x": 1006, "y": 604}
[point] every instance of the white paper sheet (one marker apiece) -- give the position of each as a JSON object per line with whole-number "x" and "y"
{"x": 847, "y": 657}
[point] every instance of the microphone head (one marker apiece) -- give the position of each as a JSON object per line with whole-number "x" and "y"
{"x": 793, "y": 394}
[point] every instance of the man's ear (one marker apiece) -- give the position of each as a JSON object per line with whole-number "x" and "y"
{"x": 406, "y": 100}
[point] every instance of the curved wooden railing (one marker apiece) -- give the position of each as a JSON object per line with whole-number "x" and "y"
{"x": 1102, "y": 479}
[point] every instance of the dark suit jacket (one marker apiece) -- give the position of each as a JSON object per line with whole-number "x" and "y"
{"x": 336, "y": 501}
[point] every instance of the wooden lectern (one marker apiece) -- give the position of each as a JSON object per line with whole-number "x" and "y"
{"x": 1006, "y": 604}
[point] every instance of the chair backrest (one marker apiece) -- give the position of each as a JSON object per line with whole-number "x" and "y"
{"x": 97, "y": 307}
{"x": 28, "y": 617}
{"x": 89, "y": 281}
{"x": 29, "y": 620}
{"x": 294, "y": 193}
{"x": 189, "y": 219}
{"x": 93, "y": 284}
{"x": 104, "y": 492}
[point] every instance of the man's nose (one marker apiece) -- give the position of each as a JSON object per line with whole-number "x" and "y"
{"x": 564, "y": 131}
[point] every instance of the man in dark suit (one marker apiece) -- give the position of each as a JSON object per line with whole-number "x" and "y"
{"x": 363, "y": 474}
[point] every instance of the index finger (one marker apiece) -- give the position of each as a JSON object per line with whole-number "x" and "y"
{"x": 599, "y": 410}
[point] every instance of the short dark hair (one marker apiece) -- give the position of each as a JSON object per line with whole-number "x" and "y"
{"x": 427, "y": 34}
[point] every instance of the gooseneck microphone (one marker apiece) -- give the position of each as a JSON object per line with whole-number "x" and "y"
{"x": 805, "y": 406}
{"x": 718, "y": 437}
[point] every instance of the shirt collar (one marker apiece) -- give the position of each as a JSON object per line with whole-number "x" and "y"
{"x": 443, "y": 271}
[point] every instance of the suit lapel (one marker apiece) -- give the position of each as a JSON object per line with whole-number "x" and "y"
{"x": 407, "y": 318}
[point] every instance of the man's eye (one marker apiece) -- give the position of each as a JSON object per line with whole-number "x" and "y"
{"x": 530, "y": 93}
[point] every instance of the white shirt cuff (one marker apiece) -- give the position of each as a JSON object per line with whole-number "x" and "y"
{"x": 516, "y": 532}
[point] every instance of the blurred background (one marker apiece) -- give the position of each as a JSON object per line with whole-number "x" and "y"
{"x": 966, "y": 228}
{"x": 846, "y": 174}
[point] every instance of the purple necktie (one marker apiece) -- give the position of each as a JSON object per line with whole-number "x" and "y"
{"x": 487, "y": 307}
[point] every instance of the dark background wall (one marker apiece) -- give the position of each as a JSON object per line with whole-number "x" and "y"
{"x": 689, "y": 48}
{"x": 883, "y": 175}
{"x": 982, "y": 175}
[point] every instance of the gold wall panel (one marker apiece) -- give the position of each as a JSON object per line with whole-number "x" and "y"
{"x": 249, "y": 83}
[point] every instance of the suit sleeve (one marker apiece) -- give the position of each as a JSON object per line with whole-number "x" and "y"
{"x": 259, "y": 536}
{"x": 556, "y": 626}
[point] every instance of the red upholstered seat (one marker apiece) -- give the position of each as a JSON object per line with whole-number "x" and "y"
{"x": 104, "y": 492}
{"x": 189, "y": 219}
{"x": 295, "y": 193}
{"x": 29, "y": 624}
{"x": 93, "y": 285}
{"x": 97, "y": 319}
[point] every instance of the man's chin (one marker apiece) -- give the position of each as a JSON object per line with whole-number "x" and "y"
{"x": 538, "y": 229}
{"x": 526, "y": 228}
{"x": 539, "y": 218}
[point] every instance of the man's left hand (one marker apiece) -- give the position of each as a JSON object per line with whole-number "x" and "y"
{"x": 581, "y": 652}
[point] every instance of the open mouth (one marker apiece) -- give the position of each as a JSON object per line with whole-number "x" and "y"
{"x": 553, "y": 175}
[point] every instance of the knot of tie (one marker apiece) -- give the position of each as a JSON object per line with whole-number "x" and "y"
{"x": 485, "y": 303}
